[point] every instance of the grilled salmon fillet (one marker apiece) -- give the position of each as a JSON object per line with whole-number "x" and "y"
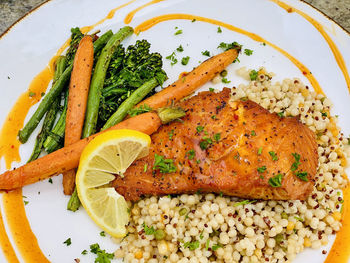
{"x": 235, "y": 148}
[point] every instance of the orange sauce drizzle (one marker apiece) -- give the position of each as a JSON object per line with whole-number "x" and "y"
{"x": 9, "y": 144}
{"x": 337, "y": 55}
{"x": 130, "y": 16}
{"x": 6, "y": 244}
{"x": 340, "y": 251}
{"x": 110, "y": 15}
{"x": 154, "y": 21}
{"x": 9, "y": 149}
{"x": 22, "y": 234}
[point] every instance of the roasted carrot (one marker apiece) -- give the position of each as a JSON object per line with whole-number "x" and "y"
{"x": 67, "y": 158}
{"x": 77, "y": 99}
{"x": 186, "y": 85}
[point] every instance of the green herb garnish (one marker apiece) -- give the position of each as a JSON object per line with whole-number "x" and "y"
{"x": 192, "y": 245}
{"x": 68, "y": 242}
{"x": 273, "y": 156}
{"x": 172, "y": 58}
{"x": 184, "y": 60}
{"x": 260, "y": 150}
{"x": 142, "y": 109}
{"x": 302, "y": 176}
{"x": 276, "y": 181}
{"x": 178, "y": 32}
{"x": 163, "y": 165}
{"x": 217, "y": 137}
{"x": 296, "y": 163}
{"x": 206, "y": 53}
{"x": 253, "y": 74}
{"x": 180, "y": 49}
{"x": 224, "y": 80}
{"x": 248, "y": 52}
{"x": 148, "y": 230}
{"x": 245, "y": 202}
{"x": 219, "y": 30}
{"x": 261, "y": 169}
{"x": 191, "y": 154}
{"x": 199, "y": 128}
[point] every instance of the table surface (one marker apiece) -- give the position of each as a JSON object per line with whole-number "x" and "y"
{"x": 11, "y": 10}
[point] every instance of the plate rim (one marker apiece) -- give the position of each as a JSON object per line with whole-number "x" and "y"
{"x": 8, "y": 30}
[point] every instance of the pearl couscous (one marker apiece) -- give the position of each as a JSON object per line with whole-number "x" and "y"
{"x": 213, "y": 228}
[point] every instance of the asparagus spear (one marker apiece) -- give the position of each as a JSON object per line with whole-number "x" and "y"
{"x": 102, "y": 40}
{"x": 45, "y": 104}
{"x": 130, "y": 102}
{"x": 98, "y": 79}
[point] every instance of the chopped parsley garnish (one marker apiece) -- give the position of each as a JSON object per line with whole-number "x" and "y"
{"x": 276, "y": 181}
{"x": 198, "y": 161}
{"x": 192, "y": 245}
{"x": 324, "y": 114}
{"x": 206, "y": 53}
{"x": 253, "y": 74}
{"x": 296, "y": 163}
{"x": 84, "y": 252}
{"x": 205, "y": 142}
{"x": 207, "y": 244}
{"x": 145, "y": 168}
{"x": 217, "y": 137}
{"x": 273, "y": 156}
{"x": 184, "y": 60}
{"x": 199, "y": 128}
{"x": 178, "y": 32}
{"x": 142, "y": 109}
{"x": 180, "y": 49}
{"x": 50, "y": 180}
{"x": 227, "y": 46}
{"x": 252, "y": 133}
{"x": 31, "y": 94}
{"x": 244, "y": 202}
{"x": 219, "y": 30}
{"x": 102, "y": 255}
{"x": 281, "y": 114}
{"x": 224, "y": 80}
{"x": 302, "y": 176}
{"x": 68, "y": 242}
{"x": 163, "y": 165}
{"x": 201, "y": 235}
{"x": 211, "y": 89}
{"x": 171, "y": 134}
{"x": 172, "y": 58}
{"x": 248, "y": 52}
{"x": 213, "y": 117}
{"x": 102, "y": 234}
{"x": 148, "y": 230}
{"x": 191, "y": 154}
{"x": 216, "y": 247}
{"x": 261, "y": 169}
{"x": 260, "y": 150}
{"x": 194, "y": 20}
{"x": 223, "y": 73}
{"x": 299, "y": 218}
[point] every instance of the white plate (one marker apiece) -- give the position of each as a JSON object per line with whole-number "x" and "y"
{"x": 27, "y": 47}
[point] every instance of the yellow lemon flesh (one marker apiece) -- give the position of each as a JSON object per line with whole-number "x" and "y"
{"x": 107, "y": 156}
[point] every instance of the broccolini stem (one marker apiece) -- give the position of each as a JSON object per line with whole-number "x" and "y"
{"x": 56, "y": 135}
{"x": 98, "y": 78}
{"x": 49, "y": 120}
{"x": 130, "y": 102}
{"x": 111, "y": 90}
{"x": 44, "y": 105}
{"x": 102, "y": 40}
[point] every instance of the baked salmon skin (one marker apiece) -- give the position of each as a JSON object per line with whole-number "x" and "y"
{"x": 234, "y": 148}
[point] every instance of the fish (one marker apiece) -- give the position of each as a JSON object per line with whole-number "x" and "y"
{"x": 234, "y": 148}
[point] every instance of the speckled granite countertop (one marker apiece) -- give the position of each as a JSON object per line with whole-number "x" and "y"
{"x": 11, "y": 10}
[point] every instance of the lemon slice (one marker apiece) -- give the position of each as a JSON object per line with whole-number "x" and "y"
{"x": 107, "y": 156}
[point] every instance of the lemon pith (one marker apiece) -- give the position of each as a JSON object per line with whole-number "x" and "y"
{"x": 106, "y": 156}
